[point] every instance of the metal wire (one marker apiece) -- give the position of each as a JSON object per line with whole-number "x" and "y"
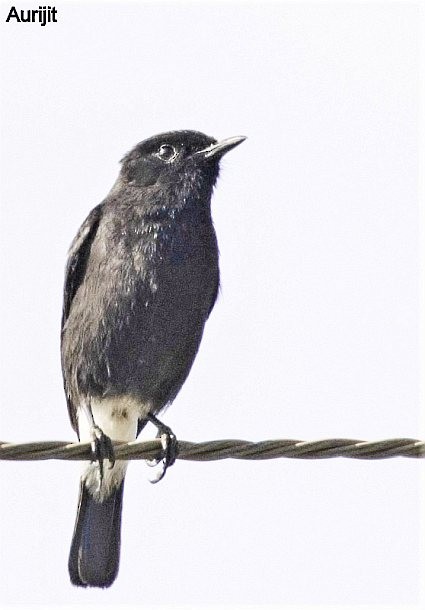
{"x": 223, "y": 449}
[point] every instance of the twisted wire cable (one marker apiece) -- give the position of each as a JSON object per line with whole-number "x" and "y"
{"x": 223, "y": 449}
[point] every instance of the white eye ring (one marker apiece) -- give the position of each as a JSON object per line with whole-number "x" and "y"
{"x": 167, "y": 152}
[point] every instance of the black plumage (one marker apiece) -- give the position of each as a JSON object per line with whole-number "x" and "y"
{"x": 141, "y": 280}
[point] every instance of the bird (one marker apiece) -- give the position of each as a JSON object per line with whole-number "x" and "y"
{"x": 141, "y": 279}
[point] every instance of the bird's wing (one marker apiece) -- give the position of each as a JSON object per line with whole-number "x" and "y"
{"x": 76, "y": 265}
{"x": 77, "y": 260}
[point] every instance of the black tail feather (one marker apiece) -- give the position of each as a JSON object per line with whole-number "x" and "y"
{"x": 95, "y": 548}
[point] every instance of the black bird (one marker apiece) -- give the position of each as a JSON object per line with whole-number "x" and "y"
{"x": 141, "y": 280}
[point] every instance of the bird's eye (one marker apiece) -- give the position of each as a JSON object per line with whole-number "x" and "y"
{"x": 167, "y": 152}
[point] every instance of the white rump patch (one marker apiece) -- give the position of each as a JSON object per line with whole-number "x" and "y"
{"x": 117, "y": 417}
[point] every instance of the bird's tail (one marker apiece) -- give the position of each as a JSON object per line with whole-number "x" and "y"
{"x": 95, "y": 548}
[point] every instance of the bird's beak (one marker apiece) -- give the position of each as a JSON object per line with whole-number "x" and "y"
{"x": 216, "y": 151}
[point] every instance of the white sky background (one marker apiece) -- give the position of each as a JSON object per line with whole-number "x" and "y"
{"x": 315, "y": 334}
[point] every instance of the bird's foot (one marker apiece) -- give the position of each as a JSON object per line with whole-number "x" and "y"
{"x": 169, "y": 448}
{"x": 102, "y": 449}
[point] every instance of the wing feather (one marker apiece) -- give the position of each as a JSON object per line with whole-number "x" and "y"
{"x": 78, "y": 256}
{"x": 76, "y": 266}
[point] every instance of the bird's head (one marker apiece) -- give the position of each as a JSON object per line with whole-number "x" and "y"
{"x": 186, "y": 159}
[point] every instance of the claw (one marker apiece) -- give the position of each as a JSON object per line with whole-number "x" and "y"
{"x": 102, "y": 449}
{"x": 169, "y": 449}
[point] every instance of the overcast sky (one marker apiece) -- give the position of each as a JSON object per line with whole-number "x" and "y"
{"x": 316, "y": 333}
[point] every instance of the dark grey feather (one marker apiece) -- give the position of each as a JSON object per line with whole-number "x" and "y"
{"x": 141, "y": 280}
{"x": 95, "y": 548}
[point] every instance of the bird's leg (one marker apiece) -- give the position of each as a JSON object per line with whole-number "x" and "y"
{"x": 169, "y": 447}
{"x": 102, "y": 448}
